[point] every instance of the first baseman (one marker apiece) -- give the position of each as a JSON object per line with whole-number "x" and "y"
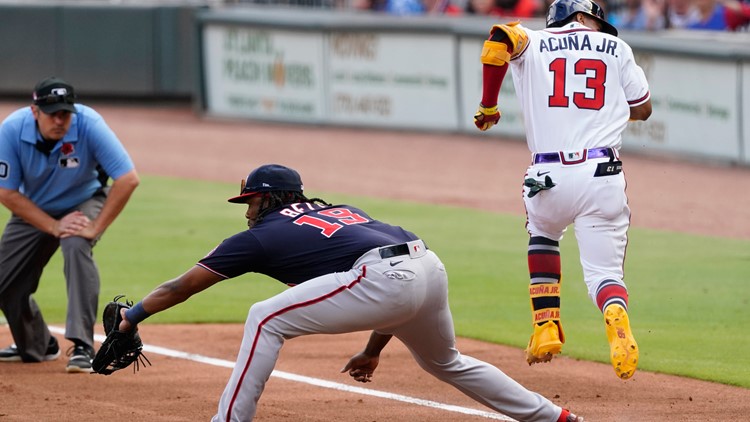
{"x": 578, "y": 85}
{"x": 349, "y": 272}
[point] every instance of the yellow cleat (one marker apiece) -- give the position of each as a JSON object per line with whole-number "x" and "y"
{"x": 622, "y": 346}
{"x": 545, "y": 343}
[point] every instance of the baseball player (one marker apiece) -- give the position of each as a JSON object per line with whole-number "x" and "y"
{"x": 348, "y": 272}
{"x": 578, "y": 85}
{"x": 56, "y": 157}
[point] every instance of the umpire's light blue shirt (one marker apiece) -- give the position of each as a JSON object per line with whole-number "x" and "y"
{"x": 68, "y": 176}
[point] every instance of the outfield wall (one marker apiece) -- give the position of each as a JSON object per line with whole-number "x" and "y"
{"x": 127, "y": 49}
{"x": 362, "y": 70}
{"x": 425, "y": 74}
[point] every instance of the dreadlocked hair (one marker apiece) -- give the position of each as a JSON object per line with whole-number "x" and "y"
{"x": 278, "y": 199}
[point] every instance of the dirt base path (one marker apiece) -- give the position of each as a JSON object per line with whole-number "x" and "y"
{"x": 432, "y": 168}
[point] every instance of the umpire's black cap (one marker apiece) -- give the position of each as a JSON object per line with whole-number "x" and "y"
{"x": 269, "y": 178}
{"x": 54, "y": 94}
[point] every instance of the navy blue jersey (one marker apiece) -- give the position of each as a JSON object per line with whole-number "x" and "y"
{"x": 303, "y": 241}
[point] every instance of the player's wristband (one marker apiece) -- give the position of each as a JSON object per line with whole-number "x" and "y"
{"x": 136, "y": 314}
{"x": 488, "y": 110}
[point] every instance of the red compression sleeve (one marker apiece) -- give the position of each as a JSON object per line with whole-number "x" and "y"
{"x": 492, "y": 79}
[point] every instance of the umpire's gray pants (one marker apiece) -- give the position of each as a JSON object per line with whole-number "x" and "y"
{"x": 24, "y": 251}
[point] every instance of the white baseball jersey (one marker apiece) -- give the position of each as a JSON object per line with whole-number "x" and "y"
{"x": 576, "y": 86}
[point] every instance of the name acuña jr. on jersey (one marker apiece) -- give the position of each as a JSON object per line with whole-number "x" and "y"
{"x": 577, "y": 41}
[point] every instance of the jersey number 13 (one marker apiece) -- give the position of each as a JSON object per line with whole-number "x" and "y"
{"x": 595, "y": 72}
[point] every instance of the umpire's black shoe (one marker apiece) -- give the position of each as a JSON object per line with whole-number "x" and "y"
{"x": 80, "y": 359}
{"x": 11, "y": 353}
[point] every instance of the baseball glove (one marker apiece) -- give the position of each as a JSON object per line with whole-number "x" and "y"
{"x": 120, "y": 348}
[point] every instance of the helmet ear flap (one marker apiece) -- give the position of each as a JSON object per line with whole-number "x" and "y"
{"x": 597, "y": 11}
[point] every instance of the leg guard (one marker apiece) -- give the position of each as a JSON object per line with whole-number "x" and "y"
{"x": 544, "y": 294}
{"x": 544, "y": 274}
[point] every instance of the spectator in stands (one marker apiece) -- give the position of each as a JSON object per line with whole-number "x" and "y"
{"x": 420, "y": 7}
{"x": 639, "y": 15}
{"x": 504, "y": 8}
{"x": 719, "y": 15}
{"x": 403, "y": 7}
{"x": 738, "y": 15}
{"x": 441, "y": 7}
{"x": 480, "y": 7}
{"x": 360, "y": 5}
{"x": 716, "y": 15}
{"x": 678, "y": 13}
{"x": 711, "y": 16}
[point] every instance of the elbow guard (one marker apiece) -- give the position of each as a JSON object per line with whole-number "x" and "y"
{"x": 495, "y": 53}
{"x": 506, "y": 35}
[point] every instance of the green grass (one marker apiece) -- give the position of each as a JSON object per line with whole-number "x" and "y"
{"x": 688, "y": 293}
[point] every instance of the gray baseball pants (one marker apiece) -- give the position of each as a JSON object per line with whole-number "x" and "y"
{"x": 24, "y": 252}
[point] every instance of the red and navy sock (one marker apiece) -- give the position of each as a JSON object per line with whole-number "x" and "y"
{"x": 609, "y": 292}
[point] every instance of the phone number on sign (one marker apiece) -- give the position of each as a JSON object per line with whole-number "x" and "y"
{"x": 349, "y": 104}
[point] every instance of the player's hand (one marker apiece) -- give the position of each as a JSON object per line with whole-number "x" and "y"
{"x": 88, "y": 232}
{"x": 125, "y": 325}
{"x": 361, "y": 367}
{"x": 71, "y": 224}
{"x": 486, "y": 117}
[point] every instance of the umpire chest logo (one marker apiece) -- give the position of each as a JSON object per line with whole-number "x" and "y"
{"x": 69, "y": 162}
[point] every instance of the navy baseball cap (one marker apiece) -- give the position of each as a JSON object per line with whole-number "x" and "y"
{"x": 54, "y": 94}
{"x": 269, "y": 178}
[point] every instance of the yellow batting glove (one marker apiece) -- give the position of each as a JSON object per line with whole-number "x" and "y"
{"x": 486, "y": 117}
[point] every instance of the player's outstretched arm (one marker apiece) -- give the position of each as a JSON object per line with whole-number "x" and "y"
{"x": 169, "y": 294}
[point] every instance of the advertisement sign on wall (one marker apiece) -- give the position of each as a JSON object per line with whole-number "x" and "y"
{"x": 393, "y": 80}
{"x": 511, "y": 122}
{"x": 690, "y": 116}
{"x": 261, "y": 73}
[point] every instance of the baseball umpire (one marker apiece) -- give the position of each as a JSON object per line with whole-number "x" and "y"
{"x": 348, "y": 272}
{"x": 55, "y": 161}
{"x": 578, "y": 85}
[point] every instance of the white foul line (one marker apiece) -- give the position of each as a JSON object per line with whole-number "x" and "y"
{"x": 314, "y": 381}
